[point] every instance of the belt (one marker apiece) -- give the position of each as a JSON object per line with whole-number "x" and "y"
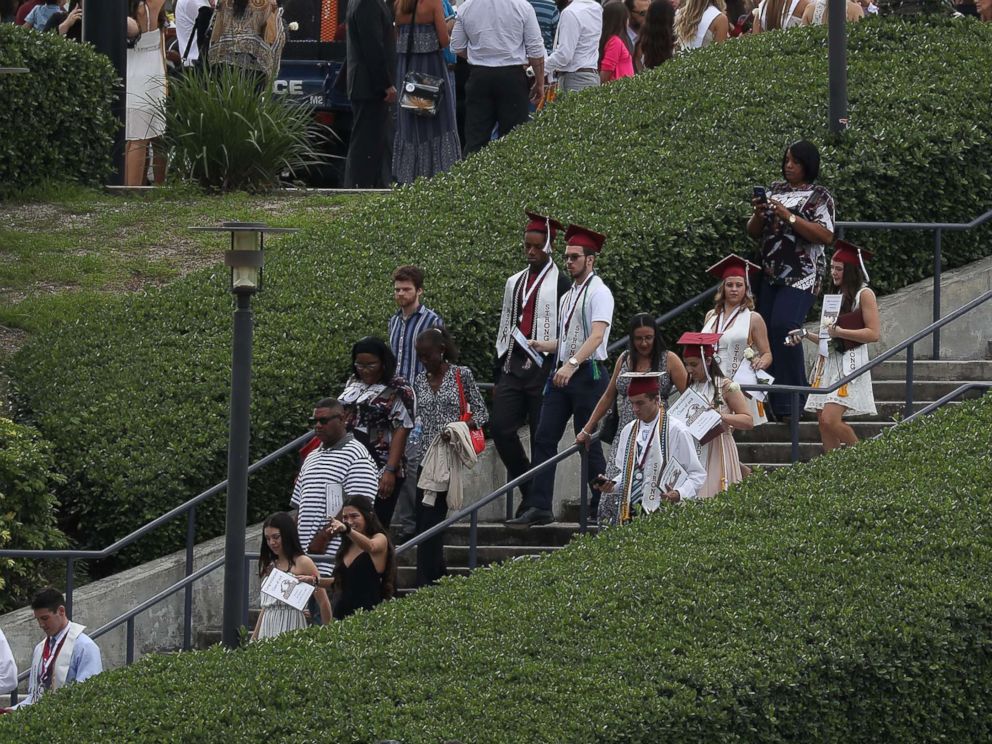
{"x": 581, "y": 69}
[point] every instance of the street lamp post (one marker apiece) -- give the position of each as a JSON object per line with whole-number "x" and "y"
{"x": 837, "y": 64}
{"x": 245, "y": 258}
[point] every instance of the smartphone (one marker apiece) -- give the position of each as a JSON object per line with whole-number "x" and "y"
{"x": 599, "y": 481}
{"x": 759, "y": 193}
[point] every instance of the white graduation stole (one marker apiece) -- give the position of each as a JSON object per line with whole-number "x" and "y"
{"x": 545, "y": 326}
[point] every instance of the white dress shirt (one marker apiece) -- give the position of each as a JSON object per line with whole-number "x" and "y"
{"x": 577, "y": 40}
{"x": 8, "y": 669}
{"x": 186, "y": 12}
{"x": 497, "y": 33}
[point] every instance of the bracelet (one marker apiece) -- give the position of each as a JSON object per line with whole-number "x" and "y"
{"x": 389, "y": 468}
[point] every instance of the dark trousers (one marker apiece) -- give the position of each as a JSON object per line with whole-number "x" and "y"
{"x": 576, "y": 400}
{"x": 430, "y": 553}
{"x": 384, "y": 508}
{"x": 784, "y": 309}
{"x": 367, "y": 150}
{"x": 516, "y": 401}
{"x": 494, "y": 95}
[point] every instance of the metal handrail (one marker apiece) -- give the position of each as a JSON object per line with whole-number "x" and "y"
{"x": 942, "y": 401}
{"x": 907, "y": 344}
{"x": 938, "y": 229}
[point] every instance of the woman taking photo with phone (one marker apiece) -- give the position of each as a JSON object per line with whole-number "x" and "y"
{"x": 847, "y": 350}
{"x": 281, "y": 549}
{"x": 793, "y": 223}
{"x": 365, "y": 564}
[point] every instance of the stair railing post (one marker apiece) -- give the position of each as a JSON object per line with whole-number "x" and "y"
{"x": 245, "y": 568}
{"x": 936, "y": 290}
{"x": 129, "y": 651}
{"x": 583, "y": 489}
{"x": 907, "y": 410}
{"x": 188, "y": 592}
{"x": 794, "y": 427}
{"x": 69, "y": 583}
{"x": 473, "y": 541}
{"x": 509, "y": 503}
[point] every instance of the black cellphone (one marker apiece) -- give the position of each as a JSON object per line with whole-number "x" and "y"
{"x": 72, "y": 5}
{"x": 599, "y": 480}
{"x": 759, "y": 193}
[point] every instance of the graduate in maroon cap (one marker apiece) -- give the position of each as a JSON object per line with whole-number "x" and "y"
{"x": 529, "y": 313}
{"x": 579, "y": 349}
{"x": 706, "y": 378}
{"x": 857, "y": 326}
{"x": 655, "y": 458}
{"x": 744, "y": 343}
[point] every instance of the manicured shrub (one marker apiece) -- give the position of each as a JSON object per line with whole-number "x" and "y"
{"x": 225, "y": 136}
{"x": 56, "y": 120}
{"x": 663, "y": 163}
{"x": 841, "y": 600}
{"x": 27, "y": 509}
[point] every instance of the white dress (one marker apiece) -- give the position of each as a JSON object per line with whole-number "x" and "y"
{"x": 146, "y": 87}
{"x": 278, "y": 618}
{"x": 857, "y": 397}
{"x": 736, "y": 338}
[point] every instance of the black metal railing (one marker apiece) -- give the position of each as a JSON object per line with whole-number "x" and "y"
{"x": 938, "y": 229}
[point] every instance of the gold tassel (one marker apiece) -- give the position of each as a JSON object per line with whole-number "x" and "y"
{"x": 761, "y": 408}
{"x": 842, "y": 393}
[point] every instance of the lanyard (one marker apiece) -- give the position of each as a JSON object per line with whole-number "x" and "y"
{"x": 730, "y": 321}
{"x": 528, "y": 293}
{"x": 48, "y": 657}
{"x": 647, "y": 446}
{"x": 575, "y": 304}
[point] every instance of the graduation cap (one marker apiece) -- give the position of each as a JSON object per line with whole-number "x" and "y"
{"x": 734, "y": 265}
{"x": 545, "y": 225}
{"x": 849, "y": 253}
{"x": 700, "y": 346}
{"x": 584, "y": 237}
{"x": 643, "y": 383}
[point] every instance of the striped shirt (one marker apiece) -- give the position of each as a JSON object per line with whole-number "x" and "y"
{"x": 403, "y": 334}
{"x": 547, "y": 19}
{"x": 347, "y": 464}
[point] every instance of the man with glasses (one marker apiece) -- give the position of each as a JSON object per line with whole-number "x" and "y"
{"x": 340, "y": 467}
{"x": 584, "y": 318}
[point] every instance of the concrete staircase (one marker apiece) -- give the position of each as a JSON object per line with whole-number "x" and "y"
{"x": 770, "y": 446}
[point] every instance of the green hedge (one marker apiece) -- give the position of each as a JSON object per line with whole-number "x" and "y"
{"x": 27, "y": 510}
{"x": 844, "y": 600}
{"x": 56, "y": 120}
{"x": 663, "y": 163}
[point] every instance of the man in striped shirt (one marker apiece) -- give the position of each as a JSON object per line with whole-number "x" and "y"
{"x": 409, "y": 321}
{"x": 340, "y": 467}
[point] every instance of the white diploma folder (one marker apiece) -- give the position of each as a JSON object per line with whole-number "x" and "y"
{"x": 287, "y": 589}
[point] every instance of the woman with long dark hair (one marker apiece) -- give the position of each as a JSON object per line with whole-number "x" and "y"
{"x": 847, "y": 350}
{"x": 281, "y": 549}
{"x": 615, "y": 51}
{"x": 646, "y": 352}
{"x": 249, "y": 35}
{"x": 379, "y": 410}
{"x": 779, "y": 14}
{"x": 365, "y": 564}
{"x": 793, "y": 223}
{"x": 656, "y": 41}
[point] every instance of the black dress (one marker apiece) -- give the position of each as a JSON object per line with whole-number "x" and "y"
{"x": 362, "y": 587}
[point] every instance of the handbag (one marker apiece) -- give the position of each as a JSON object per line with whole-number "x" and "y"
{"x": 422, "y": 93}
{"x": 852, "y": 321}
{"x": 478, "y": 437}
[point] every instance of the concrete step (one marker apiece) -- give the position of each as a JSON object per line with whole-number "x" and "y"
{"x": 486, "y": 554}
{"x": 944, "y": 369}
{"x": 555, "y": 534}
{"x": 922, "y": 389}
{"x": 780, "y": 452}
{"x": 808, "y": 431}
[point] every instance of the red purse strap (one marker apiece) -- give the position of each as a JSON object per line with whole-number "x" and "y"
{"x": 462, "y": 404}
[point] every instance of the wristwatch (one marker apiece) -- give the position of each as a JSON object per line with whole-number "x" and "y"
{"x": 792, "y": 219}
{"x": 573, "y": 361}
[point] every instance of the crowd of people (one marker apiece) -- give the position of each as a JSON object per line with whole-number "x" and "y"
{"x": 390, "y": 450}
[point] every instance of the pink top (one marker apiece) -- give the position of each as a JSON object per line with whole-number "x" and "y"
{"x": 616, "y": 59}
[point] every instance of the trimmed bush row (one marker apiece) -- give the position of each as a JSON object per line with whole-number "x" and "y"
{"x": 27, "y": 509}
{"x": 663, "y": 163}
{"x": 840, "y": 600}
{"x": 56, "y": 121}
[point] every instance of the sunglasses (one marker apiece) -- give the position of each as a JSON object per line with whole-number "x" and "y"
{"x": 569, "y": 257}
{"x": 323, "y": 420}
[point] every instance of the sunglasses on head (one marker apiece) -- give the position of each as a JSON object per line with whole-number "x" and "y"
{"x": 323, "y": 420}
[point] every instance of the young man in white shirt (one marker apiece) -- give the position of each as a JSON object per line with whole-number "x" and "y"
{"x": 575, "y": 59}
{"x": 584, "y": 319}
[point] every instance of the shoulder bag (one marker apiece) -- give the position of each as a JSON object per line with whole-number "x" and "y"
{"x": 478, "y": 437}
{"x": 422, "y": 93}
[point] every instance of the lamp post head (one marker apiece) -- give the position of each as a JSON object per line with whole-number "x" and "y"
{"x": 246, "y": 256}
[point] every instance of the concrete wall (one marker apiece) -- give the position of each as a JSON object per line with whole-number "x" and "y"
{"x": 909, "y": 310}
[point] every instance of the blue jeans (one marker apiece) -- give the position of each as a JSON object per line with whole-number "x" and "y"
{"x": 784, "y": 309}
{"x": 576, "y": 400}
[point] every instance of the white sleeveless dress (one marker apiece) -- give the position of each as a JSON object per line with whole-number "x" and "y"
{"x": 146, "y": 86}
{"x": 857, "y": 397}
{"x": 278, "y": 617}
{"x": 736, "y": 330}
